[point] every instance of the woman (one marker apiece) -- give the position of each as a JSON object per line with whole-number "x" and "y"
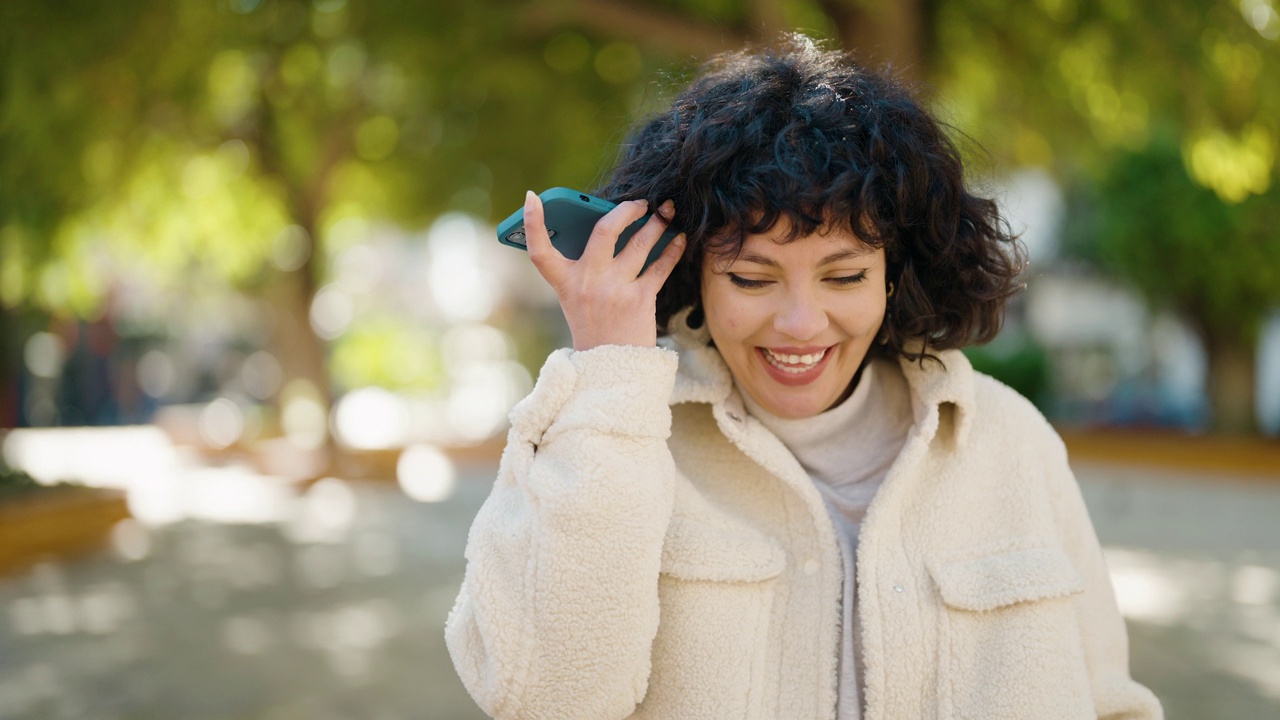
{"x": 803, "y": 503}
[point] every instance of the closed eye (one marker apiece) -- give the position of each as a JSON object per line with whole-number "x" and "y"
{"x": 746, "y": 282}
{"x": 849, "y": 279}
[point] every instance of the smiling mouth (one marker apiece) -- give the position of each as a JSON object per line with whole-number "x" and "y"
{"x": 794, "y": 364}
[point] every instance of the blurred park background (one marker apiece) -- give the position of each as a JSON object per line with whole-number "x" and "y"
{"x": 258, "y": 340}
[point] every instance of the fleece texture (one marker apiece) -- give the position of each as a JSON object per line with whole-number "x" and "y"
{"x": 649, "y": 550}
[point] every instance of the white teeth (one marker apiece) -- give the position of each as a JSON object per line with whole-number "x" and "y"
{"x": 793, "y": 363}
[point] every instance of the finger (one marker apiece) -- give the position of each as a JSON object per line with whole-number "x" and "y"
{"x": 660, "y": 270}
{"x": 604, "y": 236}
{"x": 546, "y": 258}
{"x": 638, "y": 247}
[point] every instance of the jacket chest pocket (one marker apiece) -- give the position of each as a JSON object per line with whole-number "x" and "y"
{"x": 715, "y": 594}
{"x": 1009, "y": 640}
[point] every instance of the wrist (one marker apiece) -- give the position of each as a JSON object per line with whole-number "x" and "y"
{"x": 584, "y": 345}
{"x": 627, "y": 337}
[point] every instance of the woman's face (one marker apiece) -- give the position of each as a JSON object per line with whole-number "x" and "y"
{"x": 794, "y": 321}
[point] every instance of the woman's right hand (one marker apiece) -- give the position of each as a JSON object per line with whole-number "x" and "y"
{"x": 605, "y": 299}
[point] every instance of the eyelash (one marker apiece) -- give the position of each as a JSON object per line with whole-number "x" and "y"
{"x": 746, "y": 283}
{"x": 850, "y": 279}
{"x": 749, "y": 284}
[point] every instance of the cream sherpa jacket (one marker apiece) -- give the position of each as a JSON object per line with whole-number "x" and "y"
{"x": 651, "y": 551}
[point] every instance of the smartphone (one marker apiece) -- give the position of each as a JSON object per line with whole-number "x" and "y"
{"x": 570, "y": 217}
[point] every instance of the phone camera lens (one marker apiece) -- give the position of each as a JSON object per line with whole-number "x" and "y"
{"x": 516, "y": 237}
{"x": 584, "y": 198}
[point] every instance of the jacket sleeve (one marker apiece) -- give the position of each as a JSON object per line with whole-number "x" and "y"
{"x": 559, "y": 604}
{"x": 1116, "y": 696}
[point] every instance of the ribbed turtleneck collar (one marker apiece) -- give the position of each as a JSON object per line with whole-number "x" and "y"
{"x": 874, "y": 418}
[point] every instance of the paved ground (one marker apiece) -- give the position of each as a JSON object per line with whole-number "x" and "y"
{"x": 1196, "y": 564}
{"x": 337, "y": 611}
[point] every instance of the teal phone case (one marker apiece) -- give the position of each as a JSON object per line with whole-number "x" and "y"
{"x": 571, "y": 215}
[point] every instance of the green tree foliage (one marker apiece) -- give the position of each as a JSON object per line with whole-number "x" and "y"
{"x": 1182, "y": 247}
{"x": 191, "y": 136}
{"x": 1167, "y": 117}
{"x": 1067, "y": 83}
{"x": 231, "y": 139}
{"x": 216, "y": 143}
{"x": 288, "y": 111}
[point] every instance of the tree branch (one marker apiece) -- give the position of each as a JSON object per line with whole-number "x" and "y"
{"x": 891, "y": 34}
{"x": 767, "y": 20}
{"x": 671, "y": 32}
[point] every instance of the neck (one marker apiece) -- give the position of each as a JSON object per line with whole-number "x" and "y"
{"x": 853, "y": 384}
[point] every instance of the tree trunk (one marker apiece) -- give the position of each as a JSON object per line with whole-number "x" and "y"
{"x": 1232, "y": 384}
{"x": 302, "y": 354}
{"x": 878, "y": 33}
{"x": 892, "y": 34}
{"x": 649, "y": 25}
{"x": 11, "y": 362}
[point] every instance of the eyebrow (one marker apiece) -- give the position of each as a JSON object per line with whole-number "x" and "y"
{"x": 832, "y": 258}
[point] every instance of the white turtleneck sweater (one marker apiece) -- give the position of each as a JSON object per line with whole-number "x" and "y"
{"x": 848, "y": 451}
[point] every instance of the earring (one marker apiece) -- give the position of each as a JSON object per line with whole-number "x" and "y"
{"x": 891, "y": 288}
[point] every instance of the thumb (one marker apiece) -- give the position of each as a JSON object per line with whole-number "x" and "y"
{"x": 546, "y": 258}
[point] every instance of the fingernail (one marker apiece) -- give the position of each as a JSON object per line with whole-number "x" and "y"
{"x": 528, "y": 198}
{"x": 667, "y": 209}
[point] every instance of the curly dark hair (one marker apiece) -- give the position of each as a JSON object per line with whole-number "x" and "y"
{"x": 800, "y": 132}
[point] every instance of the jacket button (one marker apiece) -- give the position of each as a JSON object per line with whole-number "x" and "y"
{"x": 810, "y": 566}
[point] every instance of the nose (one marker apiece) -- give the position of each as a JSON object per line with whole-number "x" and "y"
{"x": 801, "y": 317}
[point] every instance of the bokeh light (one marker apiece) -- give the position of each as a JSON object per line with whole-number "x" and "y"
{"x": 331, "y": 312}
{"x": 459, "y": 282}
{"x": 303, "y": 416}
{"x": 371, "y": 419}
{"x": 324, "y": 514}
{"x": 291, "y": 248}
{"x": 426, "y": 474}
{"x": 44, "y": 354}
{"x": 221, "y": 423}
{"x": 157, "y": 373}
{"x": 262, "y": 375}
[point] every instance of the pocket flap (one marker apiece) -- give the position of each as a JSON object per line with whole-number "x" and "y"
{"x": 698, "y": 548}
{"x": 1021, "y": 570}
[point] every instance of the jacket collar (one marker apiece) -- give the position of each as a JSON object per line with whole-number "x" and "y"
{"x": 942, "y": 395}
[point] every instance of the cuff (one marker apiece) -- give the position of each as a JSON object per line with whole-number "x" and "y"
{"x": 616, "y": 389}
